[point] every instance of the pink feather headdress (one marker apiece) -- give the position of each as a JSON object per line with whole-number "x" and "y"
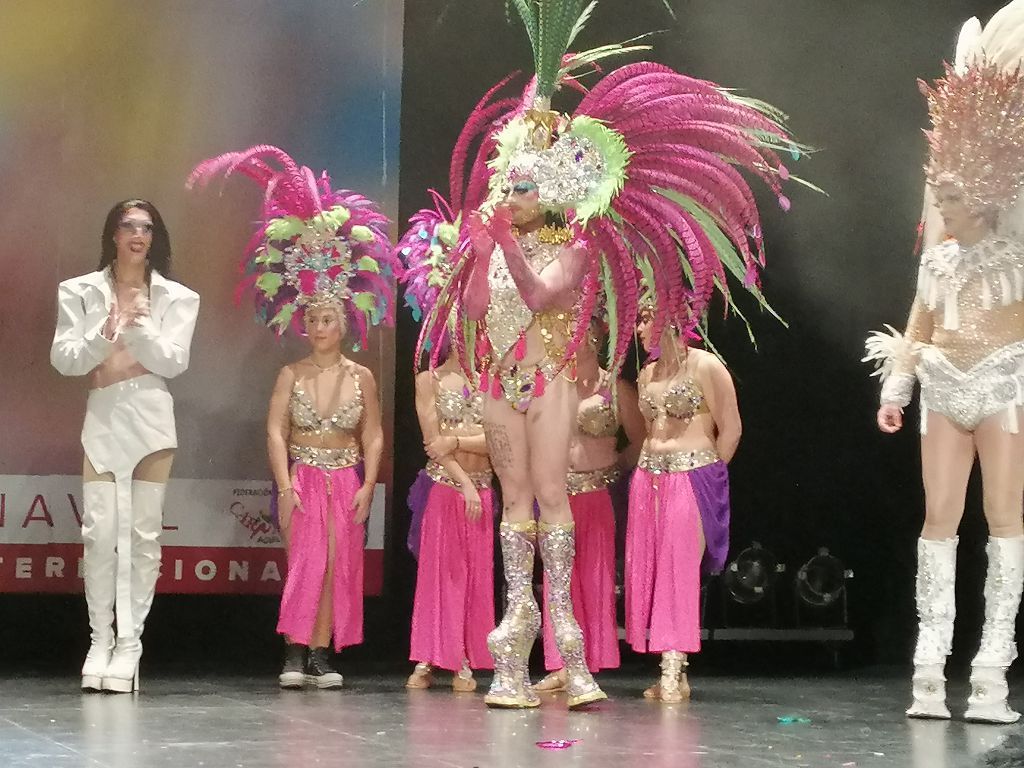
{"x": 314, "y": 246}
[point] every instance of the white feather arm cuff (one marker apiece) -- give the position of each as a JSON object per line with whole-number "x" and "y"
{"x": 893, "y": 356}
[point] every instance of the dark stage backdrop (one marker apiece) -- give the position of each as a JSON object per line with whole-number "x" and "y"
{"x": 812, "y": 469}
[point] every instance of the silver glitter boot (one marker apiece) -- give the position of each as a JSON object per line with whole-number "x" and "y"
{"x": 558, "y": 552}
{"x": 511, "y": 641}
{"x": 987, "y": 702}
{"x": 936, "y": 610}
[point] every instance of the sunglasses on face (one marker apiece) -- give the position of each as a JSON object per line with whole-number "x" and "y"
{"x": 131, "y": 227}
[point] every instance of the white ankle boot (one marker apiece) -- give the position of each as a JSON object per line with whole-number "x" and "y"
{"x": 99, "y": 540}
{"x": 936, "y": 611}
{"x": 998, "y": 649}
{"x": 123, "y": 671}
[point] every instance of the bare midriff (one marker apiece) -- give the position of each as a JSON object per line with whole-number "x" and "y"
{"x": 471, "y": 462}
{"x": 669, "y": 435}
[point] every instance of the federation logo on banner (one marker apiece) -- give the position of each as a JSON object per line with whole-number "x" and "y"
{"x": 218, "y": 537}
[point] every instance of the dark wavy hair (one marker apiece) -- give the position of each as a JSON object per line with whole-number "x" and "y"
{"x": 159, "y": 256}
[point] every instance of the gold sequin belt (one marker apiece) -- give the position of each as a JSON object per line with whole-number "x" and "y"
{"x": 439, "y": 474}
{"x": 590, "y": 480}
{"x": 675, "y": 461}
{"x": 325, "y": 458}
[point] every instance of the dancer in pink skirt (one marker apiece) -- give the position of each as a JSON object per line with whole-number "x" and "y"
{"x": 678, "y": 503}
{"x": 452, "y": 530}
{"x": 322, "y": 262}
{"x": 594, "y": 466}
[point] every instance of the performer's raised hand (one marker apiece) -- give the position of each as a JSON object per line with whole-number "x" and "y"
{"x": 500, "y": 224}
{"x": 479, "y": 236}
{"x": 138, "y": 306}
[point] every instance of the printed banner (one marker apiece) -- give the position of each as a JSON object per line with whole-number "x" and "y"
{"x": 218, "y": 537}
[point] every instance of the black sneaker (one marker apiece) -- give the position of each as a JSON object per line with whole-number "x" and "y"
{"x": 319, "y": 671}
{"x": 292, "y": 674}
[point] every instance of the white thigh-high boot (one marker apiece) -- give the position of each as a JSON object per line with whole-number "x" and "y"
{"x": 99, "y": 558}
{"x": 998, "y": 649}
{"x": 147, "y": 522}
{"x": 936, "y": 611}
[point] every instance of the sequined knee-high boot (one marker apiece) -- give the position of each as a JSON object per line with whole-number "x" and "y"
{"x": 936, "y": 610}
{"x": 511, "y": 641}
{"x": 987, "y": 703}
{"x": 558, "y": 552}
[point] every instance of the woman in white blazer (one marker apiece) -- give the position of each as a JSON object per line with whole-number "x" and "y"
{"x": 127, "y": 327}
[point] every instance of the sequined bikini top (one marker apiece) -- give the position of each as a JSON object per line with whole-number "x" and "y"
{"x": 306, "y": 418}
{"x": 459, "y": 408}
{"x": 682, "y": 400}
{"x": 507, "y": 313}
{"x": 598, "y": 420}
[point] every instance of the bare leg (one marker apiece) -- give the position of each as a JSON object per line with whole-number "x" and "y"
{"x": 90, "y": 475}
{"x": 155, "y": 468}
{"x": 510, "y": 642}
{"x": 323, "y": 627}
{"x": 507, "y": 447}
{"x": 947, "y": 457}
{"x": 549, "y": 429}
{"x": 549, "y": 425}
{"x": 1002, "y": 471}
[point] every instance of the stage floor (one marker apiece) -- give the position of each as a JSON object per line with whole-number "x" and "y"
{"x": 232, "y": 722}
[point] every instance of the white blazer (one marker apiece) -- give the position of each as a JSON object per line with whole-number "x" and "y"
{"x": 160, "y": 342}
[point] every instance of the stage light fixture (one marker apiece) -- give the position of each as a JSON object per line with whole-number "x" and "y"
{"x": 820, "y": 588}
{"x": 748, "y": 588}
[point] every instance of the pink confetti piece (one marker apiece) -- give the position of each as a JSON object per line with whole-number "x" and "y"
{"x": 557, "y": 743}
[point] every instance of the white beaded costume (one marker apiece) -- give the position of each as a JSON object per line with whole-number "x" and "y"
{"x": 965, "y": 340}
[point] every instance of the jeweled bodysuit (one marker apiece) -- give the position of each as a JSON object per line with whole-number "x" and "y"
{"x": 966, "y": 334}
{"x": 517, "y": 372}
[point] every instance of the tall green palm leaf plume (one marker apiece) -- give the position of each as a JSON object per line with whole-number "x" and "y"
{"x": 551, "y": 26}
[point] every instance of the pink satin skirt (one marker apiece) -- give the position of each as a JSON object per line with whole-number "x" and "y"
{"x": 326, "y": 508}
{"x": 454, "y": 605}
{"x": 663, "y": 564}
{"x": 593, "y": 584}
